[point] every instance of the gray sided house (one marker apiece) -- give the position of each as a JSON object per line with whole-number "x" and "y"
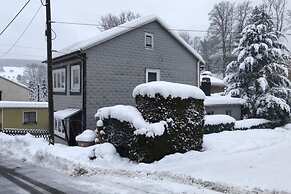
{"x": 103, "y": 71}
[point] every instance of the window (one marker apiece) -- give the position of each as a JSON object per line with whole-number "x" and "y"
{"x": 29, "y": 118}
{"x": 0, "y": 95}
{"x": 59, "y": 80}
{"x": 228, "y": 112}
{"x": 75, "y": 78}
{"x": 152, "y": 75}
{"x": 149, "y": 41}
{"x": 59, "y": 128}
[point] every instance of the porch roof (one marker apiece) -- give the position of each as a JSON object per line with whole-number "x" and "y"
{"x": 66, "y": 113}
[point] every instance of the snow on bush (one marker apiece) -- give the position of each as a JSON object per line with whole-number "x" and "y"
{"x": 251, "y": 124}
{"x": 87, "y": 136}
{"x": 133, "y": 116}
{"x": 218, "y": 119}
{"x": 218, "y": 123}
{"x": 167, "y": 89}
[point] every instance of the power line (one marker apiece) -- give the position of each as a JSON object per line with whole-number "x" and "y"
{"x": 100, "y": 27}
{"x": 26, "y": 28}
{"x": 14, "y": 17}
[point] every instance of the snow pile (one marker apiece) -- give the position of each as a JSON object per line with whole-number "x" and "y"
{"x": 167, "y": 89}
{"x": 243, "y": 159}
{"x": 222, "y": 100}
{"x": 87, "y": 136}
{"x": 249, "y": 123}
{"x": 133, "y": 116}
{"x": 218, "y": 119}
{"x": 58, "y": 156}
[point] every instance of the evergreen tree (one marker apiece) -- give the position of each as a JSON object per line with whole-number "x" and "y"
{"x": 259, "y": 73}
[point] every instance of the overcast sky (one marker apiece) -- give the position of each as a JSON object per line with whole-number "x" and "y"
{"x": 182, "y": 14}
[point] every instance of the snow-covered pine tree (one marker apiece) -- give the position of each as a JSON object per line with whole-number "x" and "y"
{"x": 32, "y": 90}
{"x": 259, "y": 74}
{"x": 44, "y": 92}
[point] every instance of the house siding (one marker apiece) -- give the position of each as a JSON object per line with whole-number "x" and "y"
{"x": 67, "y": 100}
{"x": 115, "y": 67}
{"x": 13, "y": 118}
{"x": 13, "y": 92}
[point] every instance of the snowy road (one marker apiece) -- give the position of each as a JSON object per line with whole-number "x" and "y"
{"x": 19, "y": 177}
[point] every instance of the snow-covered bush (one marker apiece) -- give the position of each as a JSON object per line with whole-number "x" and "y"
{"x": 255, "y": 124}
{"x": 259, "y": 74}
{"x": 178, "y": 104}
{"x": 168, "y": 119}
{"x": 218, "y": 123}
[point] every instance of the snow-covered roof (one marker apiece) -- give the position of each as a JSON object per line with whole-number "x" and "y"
{"x": 133, "y": 116}
{"x": 167, "y": 89}
{"x": 214, "y": 80}
{"x": 222, "y": 100}
{"x": 14, "y": 82}
{"x": 23, "y": 104}
{"x": 66, "y": 113}
{"x": 121, "y": 29}
{"x": 12, "y": 73}
{"x": 218, "y": 119}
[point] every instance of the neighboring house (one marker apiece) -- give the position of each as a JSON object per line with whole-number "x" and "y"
{"x": 13, "y": 91}
{"x": 227, "y": 105}
{"x": 217, "y": 85}
{"x": 23, "y": 115}
{"x": 104, "y": 70}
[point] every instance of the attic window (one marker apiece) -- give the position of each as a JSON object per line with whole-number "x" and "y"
{"x": 149, "y": 41}
{"x": 152, "y": 75}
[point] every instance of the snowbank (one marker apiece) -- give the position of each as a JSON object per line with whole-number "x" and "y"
{"x": 218, "y": 119}
{"x": 167, "y": 89}
{"x": 244, "y": 159}
{"x": 222, "y": 100}
{"x": 87, "y": 136}
{"x": 133, "y": 116}
{"x": 249, "y": 123}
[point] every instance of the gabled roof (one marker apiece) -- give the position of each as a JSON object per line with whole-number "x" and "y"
{"x": 14, "y": 82}
{"x": 122, "y": 29}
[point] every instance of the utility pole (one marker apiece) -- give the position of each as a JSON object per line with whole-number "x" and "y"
{"x": 49, "y": 72}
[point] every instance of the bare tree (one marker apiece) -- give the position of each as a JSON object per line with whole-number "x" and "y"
{"x": 243, "y": 12}
{"x": 277, "y": 9}
{"x": 109, "y": 21}
{"x": 221, "y": 26}
{"x": 186, "y": 37}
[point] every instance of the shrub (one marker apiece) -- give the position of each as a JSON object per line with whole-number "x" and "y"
{"x": 256, "y": 124}
{"x": 218, "y": 123}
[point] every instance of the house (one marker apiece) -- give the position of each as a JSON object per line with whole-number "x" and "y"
{"x": 227, "y": 105}
{"x": 18, "y": 115}
{"x": 217, "y": 85}
{"x": 104, "y": 70}
{"x": 12, "y": 90}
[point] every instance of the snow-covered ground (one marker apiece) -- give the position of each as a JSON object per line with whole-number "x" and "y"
{"x": 233, "y": 161}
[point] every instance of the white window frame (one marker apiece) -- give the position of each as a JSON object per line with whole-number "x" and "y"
{"x": 145, "y": 40}
{"x": 157, "y": 71}
{"x": 59, "y": 79}
{"x": 76, "y": 88}
{"x": 59, "y": 129}
{"x": 23, "y": 113}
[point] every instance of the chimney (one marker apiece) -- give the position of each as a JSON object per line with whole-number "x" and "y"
{"x": 206, "y": 86}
